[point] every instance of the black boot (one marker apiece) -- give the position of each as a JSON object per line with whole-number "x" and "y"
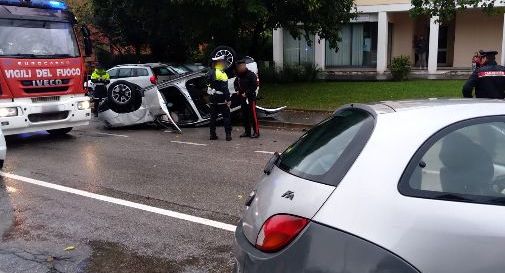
{"x": 228, "y": 137}
{"x": 213, "y": 137}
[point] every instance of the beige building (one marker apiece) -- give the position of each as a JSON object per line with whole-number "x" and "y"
{"x": 384, "y": 30}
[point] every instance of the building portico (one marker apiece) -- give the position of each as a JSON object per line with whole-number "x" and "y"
{"x": 384, "y": 31}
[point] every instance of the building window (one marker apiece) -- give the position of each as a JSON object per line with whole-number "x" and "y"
{"x": 296, "y": 51}
{"x": 358, "y": 47}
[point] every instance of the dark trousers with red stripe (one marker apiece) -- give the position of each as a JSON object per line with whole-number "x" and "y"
{"x": 250, "y": 117}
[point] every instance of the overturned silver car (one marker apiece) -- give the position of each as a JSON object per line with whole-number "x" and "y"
{"x": 179, "y": 102}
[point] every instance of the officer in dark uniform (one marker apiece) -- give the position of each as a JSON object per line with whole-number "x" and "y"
{"x": 246, "y": 85}
{"x": 219, "y": 97}
{"x": 488, "y": 81}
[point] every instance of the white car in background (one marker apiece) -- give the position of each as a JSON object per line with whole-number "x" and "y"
{"x": 143, "y": 75}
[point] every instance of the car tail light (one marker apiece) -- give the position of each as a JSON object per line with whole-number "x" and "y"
{"x": 279, "y": 231}
{"x": 154, "y": 79}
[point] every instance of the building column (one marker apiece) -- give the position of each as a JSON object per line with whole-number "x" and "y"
{"x": 382, "y": 43}
{"x": 278, "y": 48}
{"x": 320, "y": 52}
{"x": 503, "y": 43}
{"x": 433, "y": 53}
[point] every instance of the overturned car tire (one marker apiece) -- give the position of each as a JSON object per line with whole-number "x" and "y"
{"x": 124, "y": 97}
{"x": 229, "y": 54}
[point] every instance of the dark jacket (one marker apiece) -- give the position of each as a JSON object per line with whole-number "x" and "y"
{"x": 488, "y": 81}
{"x": 247, "y": 83}
{"x": 218, "y": 81}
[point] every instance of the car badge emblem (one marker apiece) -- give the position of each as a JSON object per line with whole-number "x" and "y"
{"x": 289, "y": 195}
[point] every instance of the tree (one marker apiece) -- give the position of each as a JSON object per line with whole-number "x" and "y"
{"x": 172, "y": 29}
{"x": 446, "y": 9}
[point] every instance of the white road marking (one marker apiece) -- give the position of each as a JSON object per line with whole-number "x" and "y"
{"x": 121, "y": 202}
{"x": 264, "y": 152}
{"x": 106, "y": 134}
{"x": 188, "y": 143}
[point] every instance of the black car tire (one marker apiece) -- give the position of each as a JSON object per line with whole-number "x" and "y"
{"x": 229, "y": 53}
{"x": 60, "y": 132}
{"x": 124, "y": 97}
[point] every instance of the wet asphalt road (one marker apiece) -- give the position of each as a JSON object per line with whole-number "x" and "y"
{"x": 47, "y": 230}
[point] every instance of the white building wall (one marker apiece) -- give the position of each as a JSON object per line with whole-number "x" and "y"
{"x": 278, "y": 47}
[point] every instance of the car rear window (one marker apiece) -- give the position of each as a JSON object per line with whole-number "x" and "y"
{"x": 141, "y": 72}
{"x": 326, "y": 152}
{"x": 113, "y": 73}
{"x": 125, "y": 73}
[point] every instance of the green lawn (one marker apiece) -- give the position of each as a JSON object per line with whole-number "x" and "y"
{"x": 330, "y": 95}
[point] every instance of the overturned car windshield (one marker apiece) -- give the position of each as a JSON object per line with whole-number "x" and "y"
{"x": 326, "y": 152}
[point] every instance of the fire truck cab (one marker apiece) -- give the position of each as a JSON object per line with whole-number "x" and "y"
{"x": 42, "y": 69}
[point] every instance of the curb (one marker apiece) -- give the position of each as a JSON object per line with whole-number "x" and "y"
{"x": 285, "y": 125}
{"x": 309, "y": 111}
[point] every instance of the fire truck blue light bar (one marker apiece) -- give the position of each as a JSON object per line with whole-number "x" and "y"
{"x": 46, "y": 4}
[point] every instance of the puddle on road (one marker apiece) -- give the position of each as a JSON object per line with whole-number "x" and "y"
{"x": 109, "y": 257}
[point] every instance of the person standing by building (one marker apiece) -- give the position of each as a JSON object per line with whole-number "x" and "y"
{"x": 246, "y": 85}
{"x": 422, "y": 52}
{"x": 219, "y": 97}
{"x": 488, "y": 81}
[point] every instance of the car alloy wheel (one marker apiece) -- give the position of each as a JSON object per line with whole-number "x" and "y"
{"x": 228, "y": 55}
{"x": 121, "y": 94}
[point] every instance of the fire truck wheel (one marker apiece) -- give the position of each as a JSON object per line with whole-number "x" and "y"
{"x": 60, "y": 132}
{"x": 124, "y": 97}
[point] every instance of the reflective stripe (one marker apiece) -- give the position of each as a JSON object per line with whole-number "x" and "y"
{"x": 491, "y": 74}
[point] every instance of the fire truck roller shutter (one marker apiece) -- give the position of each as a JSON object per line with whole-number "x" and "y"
{"x": 124, "y": 97}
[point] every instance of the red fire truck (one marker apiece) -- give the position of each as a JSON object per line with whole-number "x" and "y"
{"x": 42, "y": 69}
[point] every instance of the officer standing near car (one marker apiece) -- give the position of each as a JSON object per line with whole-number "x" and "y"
{"x": 100, "y": 78}
{"x": 246, "y": 85}
{"x": 219, "y": 97}
{"x": 488, "y": 81}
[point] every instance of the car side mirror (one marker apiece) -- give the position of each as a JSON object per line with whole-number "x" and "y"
{"x": 85, "y": 32}
{"x": 88, "y": 44}
{"x": 271, "y": 164}
{"x": 88, "y": 47}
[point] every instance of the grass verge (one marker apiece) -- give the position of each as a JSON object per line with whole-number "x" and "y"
{"x": 327, "y": 96}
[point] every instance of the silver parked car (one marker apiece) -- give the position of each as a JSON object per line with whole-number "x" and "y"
{"x": 405, "y": 187}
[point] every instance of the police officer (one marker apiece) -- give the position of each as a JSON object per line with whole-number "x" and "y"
{"x": 100, "y": 78}
{"x": 219, "y": 97}
{"x": 246, "y": 85}
{"x": 488, "y": 81}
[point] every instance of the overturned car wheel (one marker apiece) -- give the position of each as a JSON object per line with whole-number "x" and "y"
{"x": 124, "y": 97}
{"x": 229, "y": 54}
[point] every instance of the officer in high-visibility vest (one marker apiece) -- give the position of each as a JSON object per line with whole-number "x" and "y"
{"x": 100, "y": 78}
{"x": 219, "y": 97}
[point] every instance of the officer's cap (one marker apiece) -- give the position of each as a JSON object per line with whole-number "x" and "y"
{"x": 486, "y": 53}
